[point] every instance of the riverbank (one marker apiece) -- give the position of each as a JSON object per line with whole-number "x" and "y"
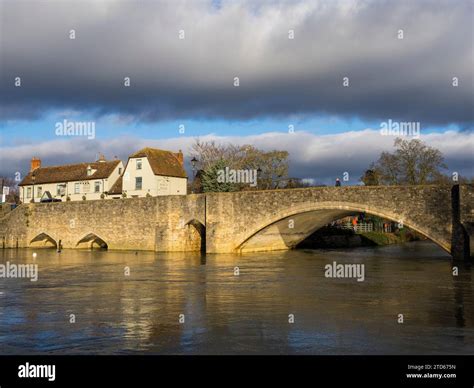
{"x": 328, "y": 237}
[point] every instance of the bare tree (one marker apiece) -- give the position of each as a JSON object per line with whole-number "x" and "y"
{"x": 370, "y": 177}
{"x": 12, "y": 184}
{"x": 412, "y": 163}
{"x": 272, "y": 166}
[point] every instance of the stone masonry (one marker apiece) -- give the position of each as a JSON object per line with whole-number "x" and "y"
{"x": 241, "y": 221}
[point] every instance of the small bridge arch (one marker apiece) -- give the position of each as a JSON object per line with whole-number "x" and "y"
{"x": 196, "y": 235}
{"x": 43, "y": 240}
{"x": 92, "y": 240}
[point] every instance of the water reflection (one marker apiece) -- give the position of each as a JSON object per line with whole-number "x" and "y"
{"x": 193, "y": 303}
{"x": 462, "y": 284}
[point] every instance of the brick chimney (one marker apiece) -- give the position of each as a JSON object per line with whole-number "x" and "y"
{"x": 179, "y": 156}
{"x": 35, "y": 163}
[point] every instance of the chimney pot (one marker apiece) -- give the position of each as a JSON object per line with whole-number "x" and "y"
{"x": 35, "y": 164}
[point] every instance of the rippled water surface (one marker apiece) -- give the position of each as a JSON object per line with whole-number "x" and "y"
{"x": 245, "y": 314}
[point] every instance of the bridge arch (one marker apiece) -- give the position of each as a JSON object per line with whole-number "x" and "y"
{"x": 196, "y": 235}
{"x": 287, "y": 227}
{"x": 91, "y": 241}
{"x": 43, "y": 240}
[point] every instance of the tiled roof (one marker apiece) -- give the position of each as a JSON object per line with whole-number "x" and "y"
{"x": 162, "y": 162}
{"x": 70, "y": 172}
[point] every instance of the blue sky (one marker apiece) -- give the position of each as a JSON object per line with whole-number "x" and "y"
{"x": 19, "y": 132}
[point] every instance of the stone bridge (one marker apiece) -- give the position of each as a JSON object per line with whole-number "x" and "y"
{"x": 242, "y": 221}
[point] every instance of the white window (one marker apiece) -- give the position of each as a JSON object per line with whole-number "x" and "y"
{"x": 86, "y": 187}
{"x": 61, "y": 189}
{"x": 77, "y": 188}
{"x": 39, "y": 191}
{"x": 138, "y": 183}
{"x": 28, "y": 192}
{"x": 139, "y": 164}
{"x": 97, "y": 186}
{"x": 120, "y": 170}
{"x": 89, "y": 171}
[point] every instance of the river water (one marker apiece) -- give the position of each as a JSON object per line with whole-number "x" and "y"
{"x": 185, "y": 303}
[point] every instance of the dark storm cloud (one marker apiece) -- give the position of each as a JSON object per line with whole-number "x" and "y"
{"x": 404, "y": 79}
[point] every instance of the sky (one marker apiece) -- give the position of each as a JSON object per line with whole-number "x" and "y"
{"x": 316, "y": 78}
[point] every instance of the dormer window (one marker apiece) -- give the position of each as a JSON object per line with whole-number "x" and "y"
{"x": 89, "y": 170}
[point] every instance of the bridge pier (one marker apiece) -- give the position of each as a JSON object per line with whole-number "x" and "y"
{"x": 460, "y": 241}
{"x": 460, "y": 246}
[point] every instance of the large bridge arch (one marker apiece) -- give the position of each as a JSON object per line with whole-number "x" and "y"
{"x": 235, "y": 220}
{"x": 288, "y": 227}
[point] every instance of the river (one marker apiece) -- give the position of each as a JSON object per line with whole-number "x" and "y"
{"x": 114, "y": 302}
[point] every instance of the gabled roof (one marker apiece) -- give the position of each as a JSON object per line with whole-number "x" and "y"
{"x": 70, "y": 172}
{"x": 162, "y": 162}
{"x": 47, "y": 195}
{"x": 117, "y": 186}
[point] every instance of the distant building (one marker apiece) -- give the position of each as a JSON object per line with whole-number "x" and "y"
{"x": 149, "y": 172}
{"x": 152, "y": 172}
{"x": 72, "y": 182}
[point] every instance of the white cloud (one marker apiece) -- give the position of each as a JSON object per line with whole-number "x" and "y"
{"x": 318, "y": 157}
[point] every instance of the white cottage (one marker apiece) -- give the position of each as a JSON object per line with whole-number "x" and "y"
{"x": 152, "y": 172}
{"x": 74, "y": 182}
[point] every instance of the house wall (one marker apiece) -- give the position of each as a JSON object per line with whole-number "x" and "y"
{"x": 151, "y": 183}
{"x": 114, "y": 176}
{"x": 147, "y": 175}
{"x": 105, "y": 185}
{"x": 168, "y": 185}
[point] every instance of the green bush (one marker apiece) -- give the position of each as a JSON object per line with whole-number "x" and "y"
{"x": 379, "y": 238}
